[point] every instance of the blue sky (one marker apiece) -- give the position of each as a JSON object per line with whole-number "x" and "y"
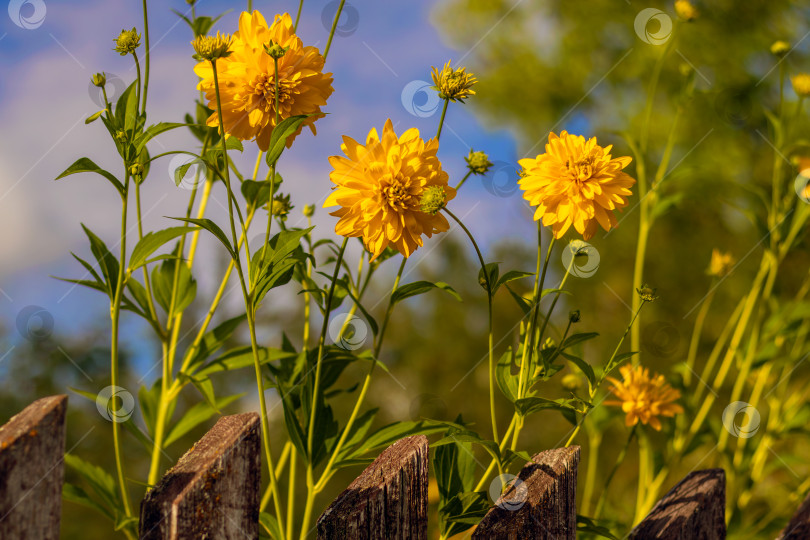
{"x": 382, "y": 50}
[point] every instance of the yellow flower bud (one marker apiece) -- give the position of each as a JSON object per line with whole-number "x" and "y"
{"x": 721, "y": 264}
{"x": 686, "y": 10}
{"x": 801, "y": 84}
{"x": 309, "y": 210}
{"x": 647, "y": 293}
{"x": 453, "y": 84}
{"x": 99, "y": 79}
{"x": 780, "y": 48}
{"x": 212, "y": 47}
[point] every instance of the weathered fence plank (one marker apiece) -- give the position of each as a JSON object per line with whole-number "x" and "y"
{"x": 213, "y": 491}
{"x": 799, "y": 526}
{"x": 693, "y": 509}
{"x": 32, "y": 447}
{"x": 388, "y": 500}
{"x": 542, "y": 505}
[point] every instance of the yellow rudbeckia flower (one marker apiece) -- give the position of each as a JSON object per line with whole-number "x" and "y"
{"x": 247, "y": 80}
{"x": 379, "y": 188}
{"x": 576, "y": 182}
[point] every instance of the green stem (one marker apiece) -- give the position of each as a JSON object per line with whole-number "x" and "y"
{"x": 316, "y": 389}
{"x": 489, "y": 288}
{"x": 458, "y": 186}
{"x": 366, "y": 383}
{"x": 643, "y": 474}
{"x": 146, "y": 56}
{"x": 619, "y": 460}
{"x": 115, "y": 312}
{"x": 332, "y": 31}
{"x": 441, "y": 123}
{"x": 298, "y": 15}
{"x": 249, "y": 308}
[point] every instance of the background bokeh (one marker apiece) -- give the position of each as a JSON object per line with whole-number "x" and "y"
{"x": 543, "y": 65}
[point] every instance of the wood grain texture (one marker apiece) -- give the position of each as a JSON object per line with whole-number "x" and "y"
{"x": 694, "y": 509}
{"x": 543, "y": 507}
{"x": 799, "y": 526}
{"x": 32, "y": 469}
{"x": 388, "y": 500}
{"x": 213, "y": 491}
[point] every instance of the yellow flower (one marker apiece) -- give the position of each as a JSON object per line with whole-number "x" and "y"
{"x": 379, "y": 188}
{"x": 453, "y": 84}
{"x": 212, "y": 47}
{"x": 576, "y": 182}
{"x": 247, "y": 80}
{"x": 643, "y": 397}
{"x": 686, "y": 10}
{"x": 801, "y": 84}
{"x": 720, "y": 264}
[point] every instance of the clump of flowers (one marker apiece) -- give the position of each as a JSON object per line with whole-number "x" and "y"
{"x": 643, "y": 397}
{"x": 576, "y": 183}
{"x": 380, "y": 186}
{"x": 247, "y": 80}
{"x": 453, "y": 84}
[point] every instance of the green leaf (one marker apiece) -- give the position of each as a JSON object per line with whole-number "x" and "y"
{"x": 359, "y": 430}
{"x": 577, "y": 338}
{"x": 470, "y": 437}
{"x": 148, "y": 399}
{"x": 583, "y": 366}
{"x": 512, "y": 275}
{"x": 280, "y": 258}
{"x": 214, "y": 229}
{"x": 163, "y": 280}
{"x": 151, "y": 242}
{"x": 278, "y": 139}
{"x": 270, "y": 524}
{"x": 126, "y": 108}
{"x": 592, "y": 526}
{"x": 524, "y": 305}
{"x": 107, "y": 262}
{"x": 195, "y": 416}
{"x": 77, "y": 495}
{"x": 86, "y": 165}
{"x": 214, "y": 339}
{"x": 153, "y": 131}
{"x": 257, "y": 193}
{"x": 93, "y": 117}
{"x": 421, "y": 287}
{"x": 101, "y": 482}
{"x": 387, "y": 435}
{"x": 240, "y": 357}
{"x": 529, "y": 405}
{"x": 493, "y": 271}
{"x": 507, "y": 381}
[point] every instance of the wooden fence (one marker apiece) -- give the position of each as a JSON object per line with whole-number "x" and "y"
{"x": 213, "y": 491}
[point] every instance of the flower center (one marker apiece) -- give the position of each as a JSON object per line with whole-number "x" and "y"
{"x": 581, "y": 170}
{"x": 396, "y": 192}
{"x": 262, "y": 93}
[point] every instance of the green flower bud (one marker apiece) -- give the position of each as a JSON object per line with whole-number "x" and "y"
{"x": 99, "y": 79}
{"x": 478, "y": 162}
{"x": 433, "y": 199}
{"x": 127, "y": 41}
